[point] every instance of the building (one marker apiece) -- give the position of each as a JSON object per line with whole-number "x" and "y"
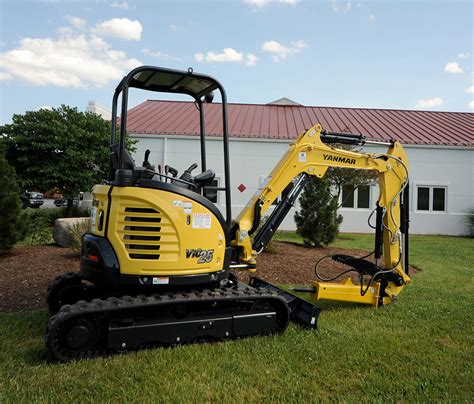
{"x": 98, "y": 109}
{"x": 440, "y": 147}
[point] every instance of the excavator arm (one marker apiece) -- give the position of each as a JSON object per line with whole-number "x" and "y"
{"x": 311, "y": 155}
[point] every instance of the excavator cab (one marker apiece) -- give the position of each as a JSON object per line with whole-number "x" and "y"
{"x": 157, "y": 227}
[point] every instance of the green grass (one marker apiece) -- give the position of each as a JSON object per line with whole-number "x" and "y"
{"x": 417, "y": 349}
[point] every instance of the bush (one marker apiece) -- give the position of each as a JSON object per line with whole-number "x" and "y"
{"x": 317, "y": 221}
{"x": 12, "y": 227}
{"x": 77, "y": 231}
{"x": 39, "y": 223}
{"x": 470, "y": 223}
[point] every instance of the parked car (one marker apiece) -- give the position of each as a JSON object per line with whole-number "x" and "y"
{"x": 61, "y": 203}
{"x": 32, "y": 199}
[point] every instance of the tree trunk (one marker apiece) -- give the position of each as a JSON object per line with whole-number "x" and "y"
{"x": 69, "y": 208}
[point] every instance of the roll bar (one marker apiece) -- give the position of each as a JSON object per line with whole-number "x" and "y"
{"x": 164, "y": 80}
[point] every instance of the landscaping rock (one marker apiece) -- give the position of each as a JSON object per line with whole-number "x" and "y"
{"x": 63, "y": 229}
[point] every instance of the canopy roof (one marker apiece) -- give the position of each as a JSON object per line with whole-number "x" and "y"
{"x": 172, "y": 81}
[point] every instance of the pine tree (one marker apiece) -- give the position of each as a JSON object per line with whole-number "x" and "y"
{"x": 317, "y": 220}
{"x": 11, "y": 217}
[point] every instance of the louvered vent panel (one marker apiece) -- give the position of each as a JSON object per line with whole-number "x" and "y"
{"x": 146, "y": 233}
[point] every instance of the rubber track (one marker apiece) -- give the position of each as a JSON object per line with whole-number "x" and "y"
{"x": 116, "y": 304}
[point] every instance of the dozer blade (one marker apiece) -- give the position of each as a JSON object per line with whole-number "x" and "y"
{"x": 301, "y": 311}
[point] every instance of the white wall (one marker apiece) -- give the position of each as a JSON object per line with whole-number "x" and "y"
{"x": 251, "y": 160}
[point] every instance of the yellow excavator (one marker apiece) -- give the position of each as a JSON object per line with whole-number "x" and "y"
{"x": 158, "y": 266}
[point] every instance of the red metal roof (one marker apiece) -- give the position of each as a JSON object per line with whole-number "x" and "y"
{"x": 286, "y": 122}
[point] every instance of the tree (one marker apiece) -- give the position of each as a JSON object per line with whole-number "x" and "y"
{"x": 341, "y": 177}
{"x": 317, "y": 220}
{"x": 11, "y": 218}
{"x": 61, "y": 148}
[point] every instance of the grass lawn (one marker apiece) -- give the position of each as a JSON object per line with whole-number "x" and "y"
{"x": 419, "y": 348}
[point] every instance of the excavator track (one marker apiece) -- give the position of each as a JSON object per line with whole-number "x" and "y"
{"x": 119, "y": 324}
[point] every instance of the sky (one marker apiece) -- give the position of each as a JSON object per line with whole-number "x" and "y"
{"x": 377, "y": 54}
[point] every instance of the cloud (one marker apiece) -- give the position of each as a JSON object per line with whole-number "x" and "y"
{"x": 471, "y": 105}
{"x": 371, "y": 17}
{"x": 452, "y": 67}
{"x": 261, "y": 4}
{"x": 338, "y": 6}
{"x": 470, "y": 90}
{"x": 228, "y": 55}
{"x": 4, "y": 75}
{"x": 158, "y": 54}
{"x": 47, "y": 107}
{"x": 77, "y": 22}
{"x": 121, "y": 28}
{"x": 69, "y": 61}
{"x": 175, "y": 28}
{"x": 281, "y": 52}
{"x": 123, "y": 5}
{"x": 251, "y": 59}
{"x": 463, "y": 55}
{"x": 429, "y": 103}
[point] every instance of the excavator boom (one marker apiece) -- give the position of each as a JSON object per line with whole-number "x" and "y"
{"x": 312, "y": 154}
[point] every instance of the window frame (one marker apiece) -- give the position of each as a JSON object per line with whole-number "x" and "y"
{"x": 356, "y": 199}
{"x": 430, "y": 186}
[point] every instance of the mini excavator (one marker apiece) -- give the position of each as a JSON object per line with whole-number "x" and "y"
{"x": 158, "y": 264}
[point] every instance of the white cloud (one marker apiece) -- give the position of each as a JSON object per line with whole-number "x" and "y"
{"x": 123, "y": 5}
{"x": 281, "y": 52}
{"x": 452, "y": 67}
{"x": 429, "y": 103}
{"x": 463, "y": 55}
{"x": 338, "y": 6}
{"x": 470, "y": 90}
{"x": 228, "y": 55}
{"x": 260, "y": 4}
{"x": 251, "y": 59}
{"x": 47, "y": 107}
{"x": 371, "y": 17}
{"x": 158, "y": 54}
{"x": 257, "y": 4}
{"x": 122, "y": 28}
{"x": 70, "y": 61}
{"x": 77, "y": 22}
{"x": 65, "y": 30}
{"x": 4, "y": 75}
{"x": 471, "y": 105}
{"x": 175, "y": 27}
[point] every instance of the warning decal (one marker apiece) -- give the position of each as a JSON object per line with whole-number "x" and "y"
{"x": 201, "y": 221}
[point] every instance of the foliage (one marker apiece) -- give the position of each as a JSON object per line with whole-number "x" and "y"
{"x": 317, "y": 220}
{"x": 62, "y": 149}
{"x": 39, "y": 223}
{"x": 77, "y": 231}
{"x": 339, "y": 177}
{"x": 470, "y": 222}
{"x": 418, "y": 350}
{"x": 11, "y": 216}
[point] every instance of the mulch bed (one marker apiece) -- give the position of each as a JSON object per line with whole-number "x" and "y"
{"x": 26, "y": 273}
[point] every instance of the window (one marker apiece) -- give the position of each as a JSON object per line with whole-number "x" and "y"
{"x": 431, "y": 198}
{"x": 356, "y": 198}
{"x": 211, "y": 194}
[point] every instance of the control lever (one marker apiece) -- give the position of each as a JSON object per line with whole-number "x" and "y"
{"x": 173, "y": 171}
{"x": 186, "y": 176}
{"x": 146, "y": 163}
{"x": 166, "y": 172}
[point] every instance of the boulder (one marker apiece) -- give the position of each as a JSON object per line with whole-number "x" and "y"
{"x": 67, "y": 229}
